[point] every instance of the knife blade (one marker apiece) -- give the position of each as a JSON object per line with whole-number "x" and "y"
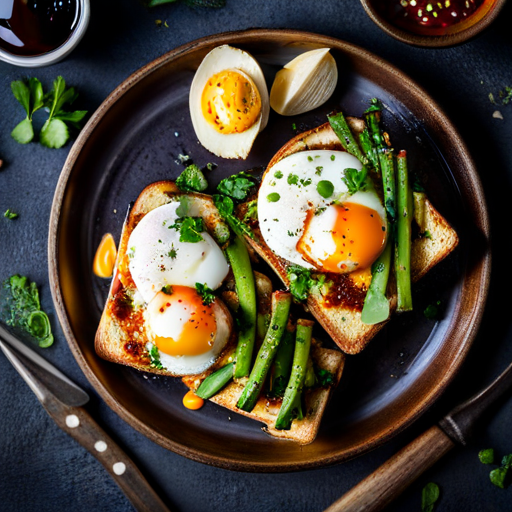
{"x": 383, "y": 485}
{"x": 43, "y": 378}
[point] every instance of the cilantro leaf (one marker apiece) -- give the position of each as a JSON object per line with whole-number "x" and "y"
{"x": 54, "y": 133}
{"x": 192, "y": 179}
{"x": 237, "y": 186}
{"x": 22, "y": 94}
{"x": 206, "y": 293}
{"x": 190, "y": 229}
{"x": 355, "y": 180}
{"x": 23, "y": 133}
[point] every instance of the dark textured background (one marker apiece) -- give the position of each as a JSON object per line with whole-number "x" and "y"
{"x": 42, "y": 469}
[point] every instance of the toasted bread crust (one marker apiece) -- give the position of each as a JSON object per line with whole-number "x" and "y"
{"x": 343, "y": 323}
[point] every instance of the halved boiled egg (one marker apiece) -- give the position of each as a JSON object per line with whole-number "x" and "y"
{"x": 228, "y": 102}
{"x": 308, "y": 216}
{"x": 188, "y": 334}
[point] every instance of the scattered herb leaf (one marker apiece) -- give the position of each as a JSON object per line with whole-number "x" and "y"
{"x": 498, "y": 476}
{"x": 226, "y": 208}
{"x": 486, "y": 456}
{"x": 237, "y": 186}
{"x": 9, "y": 214}
{"x": 154, "y": 355}
{"x": 429, "y": 496}
{"x": 355, "y": 180}
{"x": 252, "y": 211}
{"x": 300, "y": 281}
{"x": 206, "y": 293}
{"x": 192, "y": 179}
{"x": 190, "y": 229}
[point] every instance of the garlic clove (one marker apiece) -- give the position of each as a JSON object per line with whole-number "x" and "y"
{"x": 305, "y": 83}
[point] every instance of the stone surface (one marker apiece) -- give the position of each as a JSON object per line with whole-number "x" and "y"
{"x": 42, "y": 469}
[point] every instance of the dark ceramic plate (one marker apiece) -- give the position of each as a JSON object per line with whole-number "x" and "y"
{"x": 135, "y": 138}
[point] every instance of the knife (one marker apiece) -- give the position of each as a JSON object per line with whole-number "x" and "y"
{"x": 64, "y": 401}
{"x": 383, "y": 485}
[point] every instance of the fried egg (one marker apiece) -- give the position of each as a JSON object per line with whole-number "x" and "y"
{"x": 157, "y": 257}
{"x": 308, "y": 216}
{"x": 188, "y": 334}
{"x": 229, "y": 103}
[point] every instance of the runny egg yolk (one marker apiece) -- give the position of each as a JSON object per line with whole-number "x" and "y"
{"x": 105, "y": 257}
{"x": 192, "y": 401}
{"x": 230, "y": 102}
{"x": 189, "y": 326}
{"x": 358, "y": 235}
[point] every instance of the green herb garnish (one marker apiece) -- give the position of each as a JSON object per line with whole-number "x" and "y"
{"x": 9, "y": 214}
{"x": 486, "y": 456}
{"x": 154, "y": 355}
{"x": 273, "y": 197}
{"x": 301, "y": 281}
{"x": 432, "y": 310}
{"x": 237, "y": 186}
{"x": 190, "y": 229}
{"x": 192, "y": 179}
{"x": 355, "y": 180}
{"x": 206, "y": 293}
{"x": 167, "y": 289}
{"x": 325, "y": 188}
{"x": 292, "y": 179}
{"x": 31, "y": 98}
{"x": 252, "y": 211}
{"x": 23, "y": 309}
{"x": 55, "y": 132}
{"x": 226, "y": 208}
{"x": 325, "y": 378}
{"x": 429, "y": 496}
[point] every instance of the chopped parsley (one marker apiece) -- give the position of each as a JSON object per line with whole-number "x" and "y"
{"x": 325, "y": 188}
{"x": 237, "y": 186}
{"x": 333, "y": 157}
{"x": 292, "y": 179}
{"x": 206, "y": 293}
{"x": 273, "y": 197}
{"x": 9, "y": 214}
{"x": 319, "y": 170}
{"x": 324, "y": 377}
{"x": 21, "y": 308}
{"x": 192, "y": 179}
{"x": 172, "y": 253}
{"x": 310, "y": 158}
{"x": 300, "y": 281}
{"x": 305, "y": 182}
{"x": 167, "y": 289}
{"x": 154, "y": 355}
{"x": 278, "y": 175}
{"x": 190, "y": 229}
{"x": 252, "y": 211}
{"x": 355, "y": 180}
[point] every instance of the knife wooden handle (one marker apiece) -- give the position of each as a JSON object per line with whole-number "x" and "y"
{"x": 389, "y": 480}
{"x": 76, "y": 422}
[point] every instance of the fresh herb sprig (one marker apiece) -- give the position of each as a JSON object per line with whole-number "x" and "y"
{"x": 192, "y": 179}
{"x": 237, "y": 186}
{"x": 21, "y": 308}
{"x": 206, "y": 293}
{"x": 302, "y": 281}
{"x": 190, "y": 229}
{"x": 154, "y": 356}
{"x": 55, "y": 131}
{"x": 355, "y": 180}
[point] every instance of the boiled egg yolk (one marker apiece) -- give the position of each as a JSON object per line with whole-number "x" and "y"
{"x": 180, "y": 323}
{"x": 105, "y": 257}
{"x": 353, "y": 236}
{"x": 231, "y": 102}
{"x": 192, "y": 401}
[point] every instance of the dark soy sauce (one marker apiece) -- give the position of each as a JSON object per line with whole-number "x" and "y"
{"x": 35, "y": 27}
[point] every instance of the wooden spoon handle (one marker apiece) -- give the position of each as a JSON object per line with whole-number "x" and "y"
{"x": 77, "y": 422}
{"x": 389, "y": 480}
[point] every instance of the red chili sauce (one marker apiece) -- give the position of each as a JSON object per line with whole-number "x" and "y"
{"x": 428, "y": 17}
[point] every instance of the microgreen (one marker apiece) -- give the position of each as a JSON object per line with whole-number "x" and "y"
{"x": 206, "y": 293}
{"x": 190, "y": 229}
{"x": 237, "y": 186}
{"x": 192, "y": 179}
{"x": 355, "y": 180}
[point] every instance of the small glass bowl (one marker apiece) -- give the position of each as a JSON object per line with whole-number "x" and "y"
{"x": 456, "y": 34}
{"x": 59, "y": 53}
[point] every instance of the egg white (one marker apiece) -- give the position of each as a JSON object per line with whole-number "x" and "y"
{"x": 282, "y": 222}
{"x": 153, "y": 240}
{"x": 232, "y": 145}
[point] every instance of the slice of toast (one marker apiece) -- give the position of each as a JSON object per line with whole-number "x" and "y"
{"x": 266, "y": 410}
{"x": 120, "y": 337}
{"x": 342, "y": 322}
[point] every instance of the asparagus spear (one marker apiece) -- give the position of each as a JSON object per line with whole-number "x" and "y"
{"x": 369, "y": 149}
{"x": 344, "y": 133}
{"x": 403, "y": 239}
{"x": 282, "y": 364}
{"x": 281, "y": 302}
{"x": 215, "y": 382}
{"x": 387, "y": 165}
{"x": 376, "y": 305}
{"x": 246, "y": 290}
{"x": 292, "y": 397}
